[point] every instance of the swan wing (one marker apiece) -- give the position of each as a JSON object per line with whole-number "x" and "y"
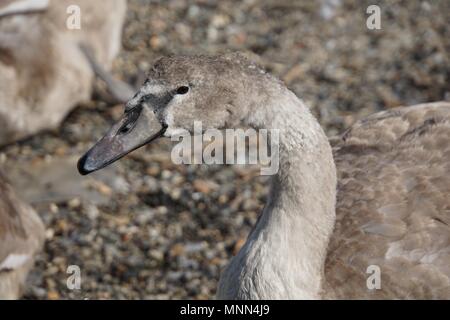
{"x": 393, "y": 206}
{"x": 9, "y": 7}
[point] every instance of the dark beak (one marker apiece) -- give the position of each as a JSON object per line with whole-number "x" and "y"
{"x": 137, "y": 127}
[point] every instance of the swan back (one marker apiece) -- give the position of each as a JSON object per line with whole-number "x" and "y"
{"x": 393, "y": 206}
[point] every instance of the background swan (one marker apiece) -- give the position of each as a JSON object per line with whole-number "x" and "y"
{"x": 21, "y": 238}
{"x": 43, "y": 71}
{"x": 391, "y": 209}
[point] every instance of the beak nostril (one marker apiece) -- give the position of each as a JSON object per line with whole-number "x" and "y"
{"x": 125, "y": 129}
{"x": 130, "y": 120}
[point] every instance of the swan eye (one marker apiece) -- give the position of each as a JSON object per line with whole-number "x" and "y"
{"x": 182, "y": 90}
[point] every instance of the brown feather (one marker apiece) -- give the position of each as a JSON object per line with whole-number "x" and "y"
{"x": 393, "y": 205}
{"x": 21, "y": 235}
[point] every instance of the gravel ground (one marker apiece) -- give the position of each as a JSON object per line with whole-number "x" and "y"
{"x": 145, "y": 228}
